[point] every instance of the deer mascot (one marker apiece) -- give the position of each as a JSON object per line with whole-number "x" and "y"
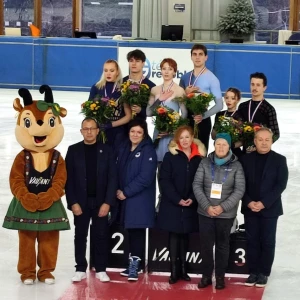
{"x": 37, "y": 181}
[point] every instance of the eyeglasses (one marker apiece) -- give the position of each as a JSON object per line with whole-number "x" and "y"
{"x": 89, "y": 129}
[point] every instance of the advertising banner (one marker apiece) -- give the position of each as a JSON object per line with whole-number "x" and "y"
{"x": 154, "y": 58}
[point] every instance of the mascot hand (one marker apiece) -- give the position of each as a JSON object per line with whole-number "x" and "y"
{"x": 44, "y": 200}
{"x": 30, "y": 202}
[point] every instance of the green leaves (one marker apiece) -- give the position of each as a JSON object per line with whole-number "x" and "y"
{"x": 43, "y": 106}
{"x": 239, "y": 19}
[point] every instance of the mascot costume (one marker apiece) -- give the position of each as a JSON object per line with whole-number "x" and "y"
{"x": 37, "y": 181}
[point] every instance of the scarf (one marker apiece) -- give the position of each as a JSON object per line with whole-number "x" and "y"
{"x": 224, "y": 160}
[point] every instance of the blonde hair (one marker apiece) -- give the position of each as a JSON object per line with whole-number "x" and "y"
{"x": 102, "y": 81}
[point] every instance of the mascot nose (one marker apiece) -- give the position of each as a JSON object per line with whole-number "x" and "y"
{"x": 40, "y": 122}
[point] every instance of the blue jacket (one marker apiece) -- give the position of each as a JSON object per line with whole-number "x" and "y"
{"x": 137, "y": 174}
{"x": 76, "y": 190}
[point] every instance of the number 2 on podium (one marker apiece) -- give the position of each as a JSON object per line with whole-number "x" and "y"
{"x": 118, "y": 244}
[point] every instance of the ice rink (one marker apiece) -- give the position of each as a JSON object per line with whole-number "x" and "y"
{"x": 284, "y": 282}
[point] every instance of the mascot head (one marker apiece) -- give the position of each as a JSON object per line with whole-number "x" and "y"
{"x": 39, "y": 126}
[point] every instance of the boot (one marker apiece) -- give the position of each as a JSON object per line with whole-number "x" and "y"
{"x": 204, "y": 282}
{"x": 173, "y": 252}
{"x": 220, "y": 282}
{"x": 174, "y": 273}
{"x": 183, "y": 245}
{"x": 134, "y": 264}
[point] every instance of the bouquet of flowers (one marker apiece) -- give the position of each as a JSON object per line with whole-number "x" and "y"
{"x": 248, "y": 132}
{"x": 197, "y": 104}
{"x": 166, "y": 121}
{"x": 231, "y": 126}
{"x": 134, "y": 94}
{"x": 101, "y": 109}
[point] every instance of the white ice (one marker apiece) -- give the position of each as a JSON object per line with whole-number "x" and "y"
{"x": 284, "y": 282}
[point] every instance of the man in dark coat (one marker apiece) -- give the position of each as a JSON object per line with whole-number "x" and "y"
{"x": 266, "y": 174}
{"x": 90, "y": 191}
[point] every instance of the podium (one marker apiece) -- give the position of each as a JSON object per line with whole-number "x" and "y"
{"x": 158, "y": 260}
{"x": 158, "y": 253}
{"x": 118, "y": 245}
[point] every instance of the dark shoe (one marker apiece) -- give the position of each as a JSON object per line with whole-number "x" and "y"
{"x": 174, "y": 273}
{"x": 251, "y": 280}
{"x": 204, "y": 282}
{"x": 261, "y": 280}
{"x": 220, "y": 282}
{"x": 184, "y": 275}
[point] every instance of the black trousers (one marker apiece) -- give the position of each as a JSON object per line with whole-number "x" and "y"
{"x": 261, "y": 241}
{"x": 137, "y": 240}
{"x": 178, "y": 246}
{"x": 214, "y": 231}
{"x": 99, "y": 235}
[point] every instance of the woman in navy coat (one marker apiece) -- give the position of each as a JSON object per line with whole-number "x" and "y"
{"x": 178, "y": 207}
{"x": 136, "y": 165}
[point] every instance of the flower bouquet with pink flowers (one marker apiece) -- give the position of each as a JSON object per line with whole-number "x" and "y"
{"x": 134, "y": 93}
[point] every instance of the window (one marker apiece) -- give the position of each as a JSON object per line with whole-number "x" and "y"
{"x": 107, "y": 17}
{"x": 57, "y": 18}
{"x": 18, "y": 14}
{"x": 271, "y": 15}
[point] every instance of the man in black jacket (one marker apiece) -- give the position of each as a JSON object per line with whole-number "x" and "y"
{"x": 266, "y": 174}
{"x": 90, "y": 191}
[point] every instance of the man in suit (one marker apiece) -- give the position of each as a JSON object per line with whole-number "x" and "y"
{"x": 266, "y": 174}
{"x": 90, "y": 191}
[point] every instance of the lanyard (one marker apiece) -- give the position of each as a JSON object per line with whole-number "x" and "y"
{"x": 168, "y": 88}
{"x": 213, "y": 173}
{"x": 201, "y": 72}
{"x": 250, "y": 119}
{"x": 113, "y": 90}
{"x": 230, "y": 115}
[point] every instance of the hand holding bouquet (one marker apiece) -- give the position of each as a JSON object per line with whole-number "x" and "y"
{"x": 101, "y": 109}
{"x": 134, "y": 93}
{"x": 197, "y": 104}
{"x": 166, "y": 121}
{"x": 230, "y": 126}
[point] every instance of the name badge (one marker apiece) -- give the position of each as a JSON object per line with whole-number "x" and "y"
{"x": 216, "y": 191}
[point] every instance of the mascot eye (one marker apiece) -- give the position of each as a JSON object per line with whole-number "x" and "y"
{"x": 27, "y": 122}
{"x": 52, "y": 122}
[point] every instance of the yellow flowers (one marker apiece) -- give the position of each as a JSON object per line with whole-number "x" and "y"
{"x": 112, "y": 103}
{"x": 134, "y": 93}
{"x": 125, "y": 86}
{"x": 248, "y": 128}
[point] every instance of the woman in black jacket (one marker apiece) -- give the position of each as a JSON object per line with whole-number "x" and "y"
{"x": 178, "y": 207}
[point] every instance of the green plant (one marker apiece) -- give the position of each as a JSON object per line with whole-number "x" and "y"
{"x": 239, "y": 19}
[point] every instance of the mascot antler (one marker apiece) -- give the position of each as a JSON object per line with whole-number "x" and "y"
{"x": 25, "y": 94}
{"x": 48, "y": 93}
